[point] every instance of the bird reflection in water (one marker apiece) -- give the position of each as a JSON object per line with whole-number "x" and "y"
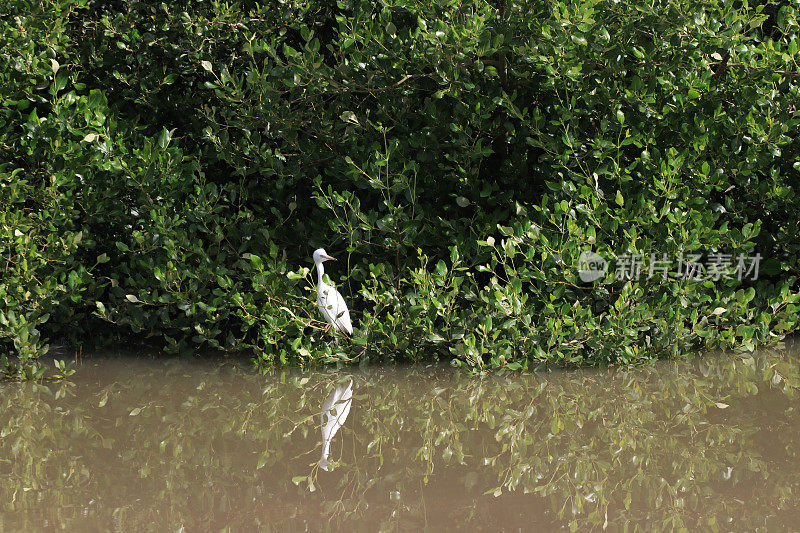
{"x": 334, "y": 413}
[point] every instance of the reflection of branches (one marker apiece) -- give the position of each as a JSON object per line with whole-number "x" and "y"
{"x": 622, "y": 440}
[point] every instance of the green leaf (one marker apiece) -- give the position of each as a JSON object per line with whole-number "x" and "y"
{"x": 349, "y": 116}
{"x": 61, "y": 81}
{"x": 96, "y": 99}
{"x": 164, "y": 138}
{"x": 579, "y": 39}
{"x": 256, "y": 262}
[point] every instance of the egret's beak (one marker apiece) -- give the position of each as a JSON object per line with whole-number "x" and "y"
{"x": 329, "y": 257}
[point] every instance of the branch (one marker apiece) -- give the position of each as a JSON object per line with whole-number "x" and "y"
{"x": 723, "y": 65}
{"x": 368, "y": 90}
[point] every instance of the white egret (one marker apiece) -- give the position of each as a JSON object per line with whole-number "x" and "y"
{"x": 330, "y": 302}
{"x": 334, "y": 413}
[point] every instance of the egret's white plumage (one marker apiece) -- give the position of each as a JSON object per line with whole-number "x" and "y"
{"x": 330, "y": 302}
{"x": 334, "y": 413}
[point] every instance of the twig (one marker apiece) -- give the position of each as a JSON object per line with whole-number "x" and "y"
{"x": 744, "y": 65}
{"x": 369, "y": 90}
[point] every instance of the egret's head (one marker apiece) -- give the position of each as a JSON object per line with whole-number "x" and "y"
{"x": 321, "y": 255}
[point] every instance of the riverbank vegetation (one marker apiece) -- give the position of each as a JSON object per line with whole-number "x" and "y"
{"x": 167, "y": 169}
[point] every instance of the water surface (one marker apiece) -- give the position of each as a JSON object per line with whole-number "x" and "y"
{"x": 138, "y": 444}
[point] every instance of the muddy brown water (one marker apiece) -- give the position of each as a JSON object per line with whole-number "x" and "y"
{"x": 137, "y": 444}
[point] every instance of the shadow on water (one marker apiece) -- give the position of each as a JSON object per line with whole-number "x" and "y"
{"x": 137, "y": 444}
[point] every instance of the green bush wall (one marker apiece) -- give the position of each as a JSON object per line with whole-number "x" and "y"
{"x": 167, "y": 169}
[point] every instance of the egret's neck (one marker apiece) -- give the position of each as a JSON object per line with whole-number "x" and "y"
{"x": 320, "y": 272}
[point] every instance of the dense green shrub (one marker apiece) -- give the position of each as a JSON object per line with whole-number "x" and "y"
{"x": 166, "y": 171}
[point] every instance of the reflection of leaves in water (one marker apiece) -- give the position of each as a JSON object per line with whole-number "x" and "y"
{"x": 210, "y": 448}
